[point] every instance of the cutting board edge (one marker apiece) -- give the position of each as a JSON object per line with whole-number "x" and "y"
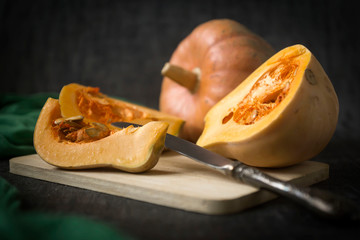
{"x": 187, "y": 203}
{"x": 210, "y": 207}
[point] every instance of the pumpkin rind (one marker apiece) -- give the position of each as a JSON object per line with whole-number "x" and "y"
{"x": 69, "y": 102}
{"x": 297, "y": 129}
{"x": 226, "y": 53}
{"x": 131, "y": 151}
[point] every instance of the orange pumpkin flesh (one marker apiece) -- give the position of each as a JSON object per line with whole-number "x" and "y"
{"x": 130, "y": 149}
{"x": 285, "y": 112}
{"x": 76, "y": 99}
{"x": 266, "y": 94}
{"x": 223, "y": 53}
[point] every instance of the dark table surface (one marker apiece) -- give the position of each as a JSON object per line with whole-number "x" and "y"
{"x": 121, "y": 47}
{"x": 278, "y": 218}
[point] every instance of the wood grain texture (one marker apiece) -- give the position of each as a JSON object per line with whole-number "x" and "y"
{"x": 176, "y": 182}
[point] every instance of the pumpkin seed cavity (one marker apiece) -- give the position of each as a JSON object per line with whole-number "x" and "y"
{"x": 266, "y": 94}
{"x": 74, "y": 129}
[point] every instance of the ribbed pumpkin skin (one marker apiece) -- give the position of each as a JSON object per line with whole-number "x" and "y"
{"x": 226, "y": 53}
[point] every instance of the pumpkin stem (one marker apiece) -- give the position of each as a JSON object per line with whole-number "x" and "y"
{"x": 186, "y": 78}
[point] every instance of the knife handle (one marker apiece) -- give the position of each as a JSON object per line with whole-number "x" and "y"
{"x": 322, "y": 202}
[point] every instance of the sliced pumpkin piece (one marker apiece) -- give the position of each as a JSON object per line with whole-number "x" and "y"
{"x": 72, "y": 143}
{"x": 76, "y": 99}
{"x": 285, "y": 112}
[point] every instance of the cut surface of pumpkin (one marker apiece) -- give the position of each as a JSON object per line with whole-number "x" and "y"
{"x": 76, "y": 99}
{"x": 72, "y": 143}
{"x": 267, "y": 92}
{"x": 285, "y": 112}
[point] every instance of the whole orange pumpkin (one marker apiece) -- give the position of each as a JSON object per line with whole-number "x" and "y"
{"x": 214, "y": 59}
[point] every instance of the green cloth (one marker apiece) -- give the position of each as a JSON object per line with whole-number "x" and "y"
{"x": 16, "y": 224}
{"x": 18, "y": 115}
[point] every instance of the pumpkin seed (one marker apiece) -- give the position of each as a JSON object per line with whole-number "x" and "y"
{"x": 93, "y": 132}
{"x": 253, "y": 115}
{"x": 98, "y": 130}
{"x": 103, "y": 127}
{"x": 75, "y": 118}
{"x": 58, "y": 121}
{"x": 69, "y": 120}
{"x": 287, "y": 86}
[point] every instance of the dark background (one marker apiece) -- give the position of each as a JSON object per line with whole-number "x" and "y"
{"x": 121, "y": 47}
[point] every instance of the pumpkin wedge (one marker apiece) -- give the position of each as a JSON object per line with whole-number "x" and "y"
{"x": 79, "y": 100}
{"x": 285, "y": 112}
{"x": 209, "y": 63}
{"x": 71, "y": 143}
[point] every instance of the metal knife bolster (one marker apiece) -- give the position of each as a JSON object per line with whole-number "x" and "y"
{"x": 322, "y": 202}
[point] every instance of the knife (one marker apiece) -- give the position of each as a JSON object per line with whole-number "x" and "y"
{"x": 322, "y": 202}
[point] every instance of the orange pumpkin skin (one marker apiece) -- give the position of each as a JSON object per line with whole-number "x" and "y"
{"x": 226, "y": 52}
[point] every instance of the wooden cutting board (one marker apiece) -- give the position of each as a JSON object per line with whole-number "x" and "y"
{"x": 176, "y": 181}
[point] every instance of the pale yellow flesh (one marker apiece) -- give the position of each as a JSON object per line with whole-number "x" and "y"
{"x": 296, "y": 130}
{"x": 132, "y": 151}
{"x": 67, "y": 98}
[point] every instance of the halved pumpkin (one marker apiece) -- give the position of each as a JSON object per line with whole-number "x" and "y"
{"x": 76, "y": 99}
{"x": 285, "y": 112}
{"x": 74, "y": 144}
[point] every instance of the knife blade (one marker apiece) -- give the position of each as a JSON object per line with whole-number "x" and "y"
{"x": 322, "y": 202}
